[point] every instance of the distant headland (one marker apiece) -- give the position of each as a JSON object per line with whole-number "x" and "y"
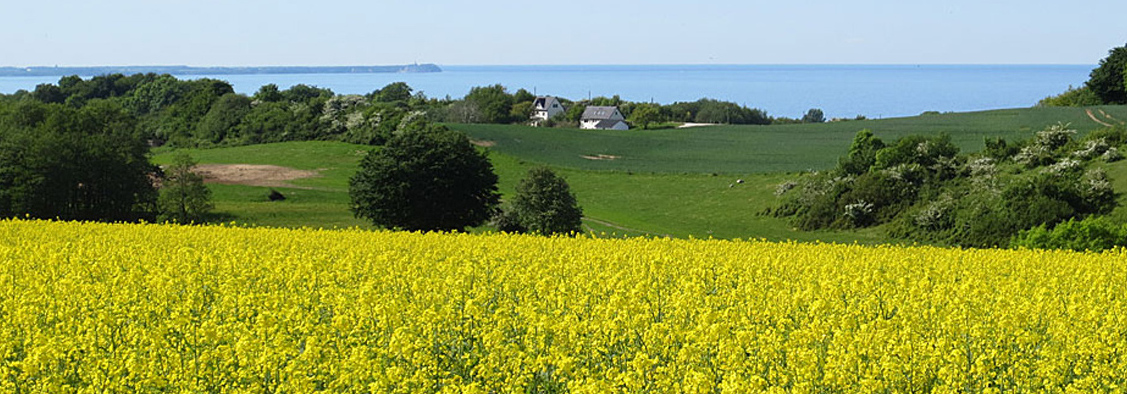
{"x": 188, "y": 70}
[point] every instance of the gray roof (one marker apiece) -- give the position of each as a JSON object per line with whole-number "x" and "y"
{"x": 542, "y": 101}
{"x": 593, "y": 112}
{"x": 607, "y": 124}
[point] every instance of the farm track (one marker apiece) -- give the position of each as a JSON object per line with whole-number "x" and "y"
{"x": 1096, "y": 119}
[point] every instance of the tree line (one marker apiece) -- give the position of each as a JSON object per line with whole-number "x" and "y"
{"x": 494, "y": 104}
{"x": 208, "y": 112}
{"x": 1106, "y": 85}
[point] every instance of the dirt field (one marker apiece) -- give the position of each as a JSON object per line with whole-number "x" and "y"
{"x": 252, "y": 174}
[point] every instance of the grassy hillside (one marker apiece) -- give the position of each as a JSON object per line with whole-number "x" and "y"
{"x": 320, "y": 201}
{"x": 679, "y": 205}
{"x": 759, "y": 149}
{"x": 671, "y": 182}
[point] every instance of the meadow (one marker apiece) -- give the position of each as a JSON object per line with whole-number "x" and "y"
{"x": 614, "y": 202}
{"x": 680, "y": 182}
{"x": 761, "y": 149}
{"x": 92, "y": 307}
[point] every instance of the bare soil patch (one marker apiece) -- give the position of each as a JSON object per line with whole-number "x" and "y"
{"x": 483, "y": 143}
{"x": 601, "y": 157}
{"x": 691, "y": 124}
{"x": 252, "y": 174}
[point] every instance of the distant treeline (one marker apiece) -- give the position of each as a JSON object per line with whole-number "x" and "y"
{"x": 494, "y": 104}
{"x": 188, "y": 70}
{"x": 208, "y": 112}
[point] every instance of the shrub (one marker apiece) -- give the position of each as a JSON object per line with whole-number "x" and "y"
{"x": 506, "y": 220}
{"x": 1091, "y": 233}
{"x": 915, "y": 149}
{"x": 1073, "y": 97}
{"x": 545, "y": 205}
{"x": 1113, "y": 136}
{"x": 183, "y": 196}
{"x": 862, "y": 153}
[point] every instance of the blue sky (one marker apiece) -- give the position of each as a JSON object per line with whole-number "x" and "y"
{"x": 446, "y": 32}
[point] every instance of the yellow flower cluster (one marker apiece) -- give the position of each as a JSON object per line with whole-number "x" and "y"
{"x": 90, "y": 307}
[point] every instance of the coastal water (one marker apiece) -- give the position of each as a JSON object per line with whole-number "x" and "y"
{"x": 875, "y": 91}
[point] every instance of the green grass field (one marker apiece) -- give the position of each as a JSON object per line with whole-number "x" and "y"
{"x": 760, "y": 149}
{"x": 614, "y": 203}
{"x": 315, "y": 202}
{"x": 679, "y": 183}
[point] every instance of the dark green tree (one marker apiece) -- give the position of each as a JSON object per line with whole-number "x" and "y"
{"x": 393, "y": 92}
{"x": 494, "y": 104}
{"x": 1108, "y": 80}
{"x": 814, "y": 115}
{"x": 269, "y": 93}
{"x": 426, "y": 178}
{"x": 523, "y": 95}
{"x": 862, "y": 153}
{"x": 155, "y": 95}
{"x": 183, "y": 196}
{"x": 267, "y": 122}
{"x": 221, "y": 122}
{"x": 88, "y": 164}
{"x": 644, "y": 114}
{"x": 545, "y": 205}
{"x": 49, "y": 94}
{"x": 521, "y": 111}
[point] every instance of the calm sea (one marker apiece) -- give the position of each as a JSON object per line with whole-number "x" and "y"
{"x": 786, "y": 90}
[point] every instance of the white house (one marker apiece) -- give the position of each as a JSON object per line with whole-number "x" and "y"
{"x": 603, "y": 118}
{"x": 544, "y": 108}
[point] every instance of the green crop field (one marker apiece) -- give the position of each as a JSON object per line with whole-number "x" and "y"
{"x": 759, "y": 149}
{"x": 677, "y": 183}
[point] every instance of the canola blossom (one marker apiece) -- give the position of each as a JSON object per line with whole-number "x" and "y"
{"x": 88, "y": 307}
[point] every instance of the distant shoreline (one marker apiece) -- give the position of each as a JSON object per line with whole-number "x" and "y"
{"x": 39, "y": 71}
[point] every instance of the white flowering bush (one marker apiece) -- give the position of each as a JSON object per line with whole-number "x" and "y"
{"x": 1062, "y": 167}
{"x": 859, "y": 213}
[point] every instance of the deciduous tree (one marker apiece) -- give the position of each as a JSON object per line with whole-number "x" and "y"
{"x": 814, "y": 115}
{"x": 427, "y": 178}
{"x": 183, "y": 196}
{"x": 644, "y": 114}
{"x": 1109, "y": 80}
{"x": 545, "y": 205}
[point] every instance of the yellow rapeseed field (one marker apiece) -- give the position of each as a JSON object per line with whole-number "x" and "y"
{"x": 157, "y": 308}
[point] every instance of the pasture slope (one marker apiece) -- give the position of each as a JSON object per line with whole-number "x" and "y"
{"x": 761, "y": 149}
{"x": 680, "y": 182}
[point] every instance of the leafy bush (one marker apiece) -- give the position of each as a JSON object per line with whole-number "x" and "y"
{"x": 183, "y": 196}
{"x": 506, "y": 220}
{"x": 1091, "y": 233}
{"x": 545, "y": 205}
{"x": 926, "y": 191}
{"x": 1073, "y": 97}
{"x": 932, "y": 153}
{"x": 862, "y": 153}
